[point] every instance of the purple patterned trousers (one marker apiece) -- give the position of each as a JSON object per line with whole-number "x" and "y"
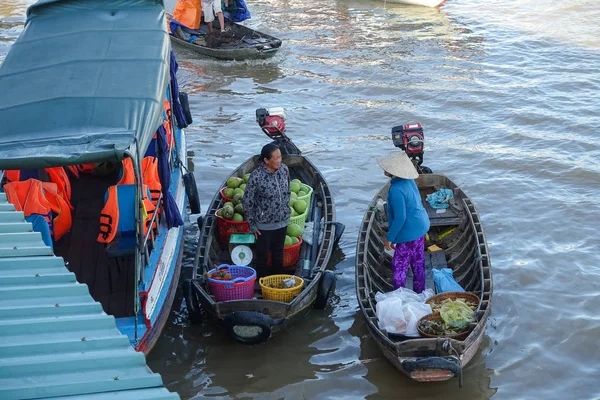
{"x": 410, "y": 254}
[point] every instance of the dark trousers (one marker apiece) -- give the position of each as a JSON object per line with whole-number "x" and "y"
{"x": 273, "y": 241}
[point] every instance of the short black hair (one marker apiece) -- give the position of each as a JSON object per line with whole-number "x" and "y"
{"x": 267, "y": 151}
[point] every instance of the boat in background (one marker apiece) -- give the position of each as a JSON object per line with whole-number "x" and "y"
{"x": 237, "y": 43}
{"x": 97, "y": 124}
{"x": 426, "y": 3}
{"x": 458, "y": 232}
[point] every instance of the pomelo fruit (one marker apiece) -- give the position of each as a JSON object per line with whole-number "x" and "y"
{"x": 300, "y": 206}
{"x": 239, "y": 209}
{"x": 246, "y": 177}
{"x": 295, "y": 240}
{"x": 237, "y": 217}
{"x": 228, "y": 212}
{"x": 288, "y": 241}
{"x": 229, "y": 192}
{"x": 237, "y": 199}
{"x": 294, "y": 187}
{"x": 294, "y": 230}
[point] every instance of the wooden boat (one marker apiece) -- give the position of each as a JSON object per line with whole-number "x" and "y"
{"x": 256, "y": 320}
{"x": 426, "y": 3}
{"x": 245, "y": 43}
{"x": 89, "y": 108}
{"x": 458, "y": 231}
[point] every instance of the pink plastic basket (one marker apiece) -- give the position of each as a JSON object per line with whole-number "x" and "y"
{"x": 240, "y": 287}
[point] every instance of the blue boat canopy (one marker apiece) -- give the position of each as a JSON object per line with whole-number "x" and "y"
{"x": 85, "y": 82}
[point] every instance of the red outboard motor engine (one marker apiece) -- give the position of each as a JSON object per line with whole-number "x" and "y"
{"x": 410, "y": 138}
{"x": 272, "y": 125}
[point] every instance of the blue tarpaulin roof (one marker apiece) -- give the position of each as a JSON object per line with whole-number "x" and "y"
{"x": 83, "y": 83}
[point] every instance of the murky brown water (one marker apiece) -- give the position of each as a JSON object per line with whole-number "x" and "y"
{"x": 508, "y": 94}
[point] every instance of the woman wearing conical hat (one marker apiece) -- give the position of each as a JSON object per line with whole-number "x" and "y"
{"x": 407, "y": 219}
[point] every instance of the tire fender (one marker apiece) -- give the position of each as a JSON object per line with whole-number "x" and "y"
{"x": 326, "y": 285}
{"x": 258, "y": 325}
{"x": 194, "y": 308}
{"x": 192, "y": 192}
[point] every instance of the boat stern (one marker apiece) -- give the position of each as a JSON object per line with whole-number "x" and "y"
{"x": 432, "y": 369}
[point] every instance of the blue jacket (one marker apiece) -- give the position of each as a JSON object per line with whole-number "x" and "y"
{"x": 407, "y": 218}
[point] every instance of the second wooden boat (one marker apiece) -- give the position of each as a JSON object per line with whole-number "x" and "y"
{"x": 458, "y": 231}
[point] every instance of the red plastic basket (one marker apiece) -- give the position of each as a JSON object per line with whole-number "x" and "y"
{"x": 291, "y": 254}
{"x": 222, "y": 191}
{"x": 240, "y": 287}
{"x": 227, "y": 228}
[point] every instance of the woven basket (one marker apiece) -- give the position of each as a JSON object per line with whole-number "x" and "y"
{"x": 222, "y": 191}
{"x": 284, "y": 295}
{"x": 437, "y": 317}
{"x": 438, "y": 298}
{"x": 226, "y": 227}
{"x": 308, "y": 191}
{"x": 300, "y": 220}
{"x": 291, "y": 255}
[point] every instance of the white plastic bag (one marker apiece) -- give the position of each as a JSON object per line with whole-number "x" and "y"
{"x": 399, "y": 311}
{"x": 307, "y": 235}
{"x": 396, "y": 316}
{"x": 406, "y": 295}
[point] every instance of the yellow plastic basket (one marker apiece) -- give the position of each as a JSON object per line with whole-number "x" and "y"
{"x": 284, "y": 295}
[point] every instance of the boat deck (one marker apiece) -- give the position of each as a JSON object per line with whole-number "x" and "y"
{"x": 55, "y": 340}
{"x": 110, "y": 280}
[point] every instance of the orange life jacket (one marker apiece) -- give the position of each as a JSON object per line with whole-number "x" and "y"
{"x": 59, "y": 176}
{"x": 151, "y": 178}
{"x": 56, "y": 175}
{"x": 128, "y": 177}
{"x": 36, "y": 197}
{"x": 62, "y": 220}
{"x": 188, "y": 13}
{"x": 109, "y": 216}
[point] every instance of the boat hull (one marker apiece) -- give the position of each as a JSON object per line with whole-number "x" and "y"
{"x": 427, "y": 359}
{"x": 280, "y": 316}
{"x": 251, "y": 44}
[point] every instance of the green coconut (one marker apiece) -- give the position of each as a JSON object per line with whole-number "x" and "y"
{"x": 234, "y": 182}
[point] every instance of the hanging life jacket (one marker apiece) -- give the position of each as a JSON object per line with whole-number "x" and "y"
{"x": 36, "y": 197}
{"x": 56, "y": 175}
{"x": 118, "y": 214}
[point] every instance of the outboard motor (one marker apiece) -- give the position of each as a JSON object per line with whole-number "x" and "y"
{"x": 272, "y": 123}
{"x": 410, "y": 138}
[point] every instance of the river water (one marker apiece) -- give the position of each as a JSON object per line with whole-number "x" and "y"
{"x": 509, "y": 96}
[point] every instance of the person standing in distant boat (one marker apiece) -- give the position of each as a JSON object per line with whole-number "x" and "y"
{"x": 266, "y": 207}
{"x": 407, "y": 219}
{"x": 210, "y": 8}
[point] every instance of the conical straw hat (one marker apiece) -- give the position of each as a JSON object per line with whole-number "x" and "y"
{"x": 399, "y": 165}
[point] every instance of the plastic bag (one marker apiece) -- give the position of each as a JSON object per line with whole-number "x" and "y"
{"x": 396, "y": 316}
{"x": 406, "y": 295}
{"x": 307, "y": 235}
{"x": 444, "y": 281}
{"x": 456, "y": 314}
